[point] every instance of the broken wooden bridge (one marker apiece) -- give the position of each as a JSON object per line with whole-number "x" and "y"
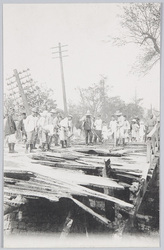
{"x": 98, "y": 185}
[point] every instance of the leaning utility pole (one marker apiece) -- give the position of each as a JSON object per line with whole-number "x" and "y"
{"x": 62, "y": 73}
{"x": 22, "y": 92}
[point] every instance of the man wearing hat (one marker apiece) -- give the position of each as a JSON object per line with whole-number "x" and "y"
{"x": 98, "y": 129}
{"x": 30, "y": 127}
{"x": 70, "y": 129}
{"x": 113, "y": 129}
{"x": 21, "y": 126}
{"x": 51, "y": 128}
{"x": 135, "y": 130}
{"x": 88, "y": 126}
{"x": 57, "y": 116}
{"x": 64, "y": 132}
{"x": 142, "y": 131}
{"x": 126, "y": 130}
{"x": 10, "y": 130}
{"x": 36, "y": 134}
{"x": 120, "y": 128}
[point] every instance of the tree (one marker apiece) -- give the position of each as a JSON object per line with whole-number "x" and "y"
{"x": 41, "y": 97}
{"x": 36, "y": 97}
{"x": 141, "y": 26}
{"x": 76, "y": 111}
{"x": 94, "y": 98}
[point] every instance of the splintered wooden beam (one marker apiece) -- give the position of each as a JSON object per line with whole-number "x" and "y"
{"x": 101, "y": 152}
{"x": 58, "y": 185}
{"x": 29, "y": 193}
{"x": 97, "y": 216}
{"x": 9, "y": 208}
{"x": 74, "y": 166}
{"x": 67, "y": 225}
{"x": 80, "y": 178}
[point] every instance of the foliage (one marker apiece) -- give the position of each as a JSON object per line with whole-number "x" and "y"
{"x": 94, "y": 102}
{"x": 40, "y": 98}
{"x": 76, "y": 112}
{"x": 36, "y": 97}
{"x": 141, "y": 26}
{"x": 94, "y": 98}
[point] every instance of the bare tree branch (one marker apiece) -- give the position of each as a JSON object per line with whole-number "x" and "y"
{"x": 141, "y": 25}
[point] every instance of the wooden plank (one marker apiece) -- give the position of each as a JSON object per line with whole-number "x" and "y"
{"x": 97, "y": 216}
{"x": 75, "y": 166}
{"x": 27, "y": 193}
{"x": 70, "y": 187}
{"x": 99, "y": 152}
{"x": 84, "y": 179}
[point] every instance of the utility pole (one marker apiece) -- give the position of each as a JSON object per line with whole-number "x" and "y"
{"x": 22, "y": 92}
{"x": 103, "y": 79}
{"x": 60, "y": 51}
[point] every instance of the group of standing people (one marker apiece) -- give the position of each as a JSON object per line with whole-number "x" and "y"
{"x": 40, "y": 128}
{"x": 45, "y": 127}
{"x": 119, "y": 130}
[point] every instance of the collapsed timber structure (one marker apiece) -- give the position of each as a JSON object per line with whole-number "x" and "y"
{"x": 79, "y": 189}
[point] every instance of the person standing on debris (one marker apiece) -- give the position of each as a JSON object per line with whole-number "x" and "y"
{"x": 21, "y": 127}
{"x": 113, "y": 129}
{"x": 104, "y": 132}
{"x": 135, "y": 130}
{"x": 30, "y": 127}
{"x": 120, "y": 128}
{"x": 64, "y": 132}
{"x": 142, "y": 132}
{"x": 126, "y": 130}
{"x": 36, "y": 134}
{"x": 88, "y": 126}
{"x": 43, "y": 122}
{"x": 51, "y": 128}
{"x": 70, "y": 129}
{"x": 56, "y": 125}
{"x": 98, "y": 129}
{"x": 10, "y": 130}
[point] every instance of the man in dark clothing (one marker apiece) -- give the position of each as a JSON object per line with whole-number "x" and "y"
{"x": 22, "y": 128}
{"x": 88, "y": 125}
{"x": 10, "y": 130}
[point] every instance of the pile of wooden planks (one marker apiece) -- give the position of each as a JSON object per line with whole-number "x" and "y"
{"x": 30, "y": 184}
{"x": 77, "y": 173}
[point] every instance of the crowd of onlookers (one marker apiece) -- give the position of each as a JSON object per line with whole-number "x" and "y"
{"x": 38, "y": 128}
{"x": 120, "y": 131}
{"x": 42, "y": 129}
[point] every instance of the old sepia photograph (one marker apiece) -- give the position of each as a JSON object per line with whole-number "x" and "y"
{"x": 81, "y": 125}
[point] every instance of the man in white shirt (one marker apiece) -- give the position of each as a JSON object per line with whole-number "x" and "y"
{"x": 64, "y": 132}
{"x": 30, "y": 126}
{"x": 126, "y": 130}
{"x": 113, "y": 129}
{"x": 98, "y": 129}
{"x": 120, "y": 128}
{"x": 56, "y": 125}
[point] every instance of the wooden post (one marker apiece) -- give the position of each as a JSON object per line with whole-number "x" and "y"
{"x": 63, "y": 82}
{"x": 109, "y": 206}
{"x": 148, "y": 150}
{"x": 22, "y": 92}
{"x": 67, "y": 225}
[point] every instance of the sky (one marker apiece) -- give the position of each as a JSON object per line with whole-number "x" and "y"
{"x": 31, "y": 30}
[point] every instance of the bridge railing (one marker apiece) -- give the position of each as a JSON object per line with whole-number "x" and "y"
{"x": 153, "y": 144}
